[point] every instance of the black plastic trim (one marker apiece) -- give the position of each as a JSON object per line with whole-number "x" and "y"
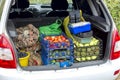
{"x": 54, "y": 67}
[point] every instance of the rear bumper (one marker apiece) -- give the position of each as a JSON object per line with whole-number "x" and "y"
{"x": 96, "y": 72}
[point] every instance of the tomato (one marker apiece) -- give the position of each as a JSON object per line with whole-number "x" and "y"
{"x": 58, "y": 39}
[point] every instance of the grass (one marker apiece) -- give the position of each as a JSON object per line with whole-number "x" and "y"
{"x": 114, "y": 7}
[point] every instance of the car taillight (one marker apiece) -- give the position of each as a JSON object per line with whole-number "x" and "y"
{"x": 115, "y": 48}
{"x": 7, "y": 58}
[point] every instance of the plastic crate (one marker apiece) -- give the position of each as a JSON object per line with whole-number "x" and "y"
{"x": 66, "y": 63}
{"x": 49, "y": 54}
{"x": 47, "y": 44}
{"x": 59, "y": 51}
{"x": 88, "y": 52}
{"x": 76, "y": 28}
{"x": 54, "y": 61}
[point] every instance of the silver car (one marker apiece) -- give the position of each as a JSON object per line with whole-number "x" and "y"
{"x": 14, "y": 13}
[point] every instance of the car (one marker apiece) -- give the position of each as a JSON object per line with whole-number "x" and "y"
{"x": 18, "y": 13}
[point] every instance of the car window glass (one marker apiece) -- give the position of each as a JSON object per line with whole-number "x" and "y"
{"x": 44, "y": 6}
{"x": 46, "y": 3}
{"x": 40, "y": 8}
{"x": 2, "y": 2}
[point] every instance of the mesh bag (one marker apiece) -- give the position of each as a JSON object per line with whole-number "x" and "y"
{"x": 27, "y": 36}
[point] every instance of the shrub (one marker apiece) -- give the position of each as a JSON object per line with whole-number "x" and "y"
{"x": 114, "y": 7}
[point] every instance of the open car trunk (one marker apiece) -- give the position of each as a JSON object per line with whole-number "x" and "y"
{"x": 100, "y": 30}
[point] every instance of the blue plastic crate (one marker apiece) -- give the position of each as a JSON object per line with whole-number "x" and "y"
{"x": 48, "y": 54}
{"x": 46, "y": 60}
{"x": 65, "y": 64}
{"x": 57, "y": 53}
{"x": 60, "y": 52}
{"x": 68, "y": 62}
{"x": 47, "y": 43}
{"x": 76, "y": 28}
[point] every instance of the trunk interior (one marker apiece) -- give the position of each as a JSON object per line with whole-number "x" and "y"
{"x": 100, "y": 30}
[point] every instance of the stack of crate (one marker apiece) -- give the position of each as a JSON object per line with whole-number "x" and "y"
{"x": 56, "y": 52}
{"x": 87, "y": 47}
{"x": 88, "y": 51}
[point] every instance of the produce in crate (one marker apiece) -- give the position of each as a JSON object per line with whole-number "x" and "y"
{"x": 87, "y": 51}
{"x": 57, "y": 41}
{"x": 62, "y": 63}
{"x": 93, "y": 42}
{"x": 57, "y": 50}
{"x": 59, "y": 53}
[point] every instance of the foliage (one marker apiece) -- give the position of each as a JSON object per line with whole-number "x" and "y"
{"x": 114, "y": 7}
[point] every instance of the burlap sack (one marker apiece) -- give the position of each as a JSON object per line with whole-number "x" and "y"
{"x": 34, "y": 48}
{"x": 27, "y": 36}
{"x": 35, "y": 60}
{"x": 27, "y": 40}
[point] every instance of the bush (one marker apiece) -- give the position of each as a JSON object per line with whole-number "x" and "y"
{"x": 114, "y": 7}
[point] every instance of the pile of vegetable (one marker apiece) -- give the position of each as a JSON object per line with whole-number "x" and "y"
{"x": 58, "y": 54}
{"x": 87, "y": 51}
{"x": 57, "y": 41}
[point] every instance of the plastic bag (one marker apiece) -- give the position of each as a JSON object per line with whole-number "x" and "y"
{"x": 52, "y": 29}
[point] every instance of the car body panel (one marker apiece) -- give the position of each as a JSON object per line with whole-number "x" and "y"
{"x": 97, "y": 72}
{"x": 103, "y": 71}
